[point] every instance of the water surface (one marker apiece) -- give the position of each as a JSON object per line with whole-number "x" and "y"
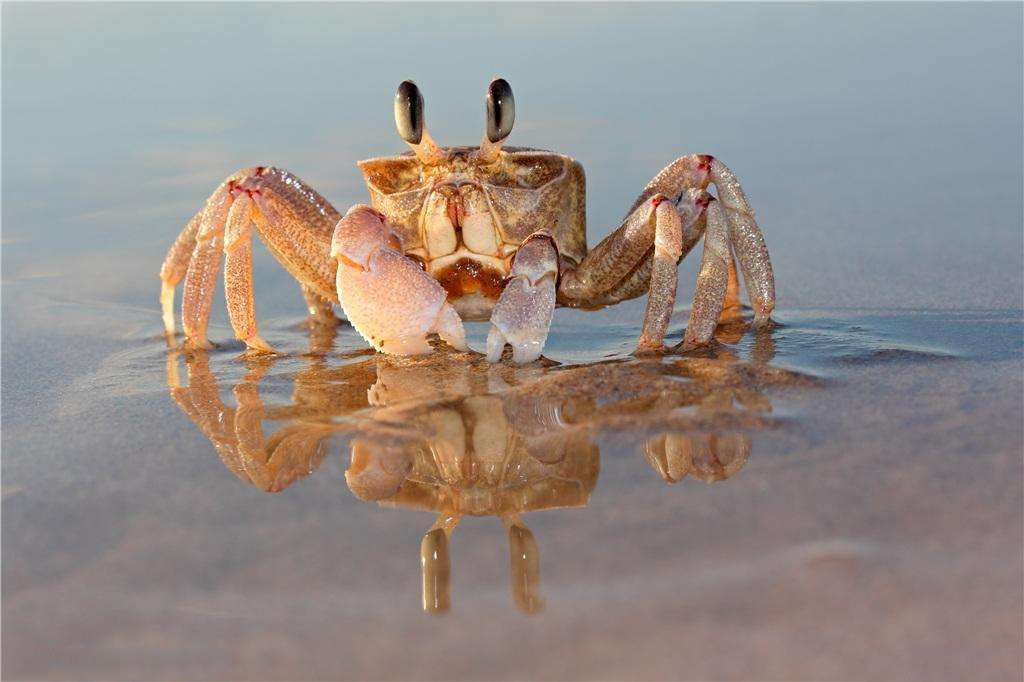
{"x": 838, "y": 498}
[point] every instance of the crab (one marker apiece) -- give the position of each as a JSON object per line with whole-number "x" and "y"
{"x": 472, "y": 233}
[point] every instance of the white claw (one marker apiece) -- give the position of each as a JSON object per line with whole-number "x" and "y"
{"x": 387, "y": 297}
{"x": 522, "y": 316}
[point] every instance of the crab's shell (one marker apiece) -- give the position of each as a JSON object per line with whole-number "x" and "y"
{"x": 527, "y": 189}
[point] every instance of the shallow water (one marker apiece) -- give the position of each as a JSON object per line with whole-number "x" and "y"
{"x": 849, "y": 480}
{"x": 837, "y": 498}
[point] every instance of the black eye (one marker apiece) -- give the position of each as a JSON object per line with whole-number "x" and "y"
{"x": 409, "y": 112}
{"x": 501, "y": 110}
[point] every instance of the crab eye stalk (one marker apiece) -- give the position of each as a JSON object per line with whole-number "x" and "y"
{"x": 501, "y": 114}
{"x": 411, "y": 126}
{"x": 409, "y": 112}
{"x": 501, "y": 110}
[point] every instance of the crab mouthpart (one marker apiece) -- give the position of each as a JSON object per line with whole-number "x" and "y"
{"x": 454, "y": 209}
{"x": 467, "y": 276}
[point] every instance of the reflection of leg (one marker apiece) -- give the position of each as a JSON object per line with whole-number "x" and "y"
{"x": 524, "y": 566}
{"x": 764, "y": 347}
{"x": 251, "y": 445}
{"x": 271, "y": 464}
{"x": 435, "y": 564}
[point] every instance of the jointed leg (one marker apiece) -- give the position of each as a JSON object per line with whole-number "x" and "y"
{"x": 238, "y": 274}
{"x": 698, "y": 170}
{"x": 320, "y": 308}
{"x": 748, "y": 241}
{"x": 174, "y": 268}
{"x": 200, "y": 281}
{"x": 641, "y": 255}
{"x": 293, "y": 220}
{"x": 732, "y": 308}
{"x": 668, "y": 248}
{"x": 627, "y": 263}
{"x": 201, "y": 278}
{"x": 712, "y": 280}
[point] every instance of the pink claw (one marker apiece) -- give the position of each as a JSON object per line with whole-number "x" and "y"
{"x": 387, "y": 297}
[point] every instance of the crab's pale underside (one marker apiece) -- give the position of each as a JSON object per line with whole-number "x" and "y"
{"x": 471, "y": 233}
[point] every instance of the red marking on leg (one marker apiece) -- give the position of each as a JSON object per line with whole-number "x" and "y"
{"x": 657, "y": 200}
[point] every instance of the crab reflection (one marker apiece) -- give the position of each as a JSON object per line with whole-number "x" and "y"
{"x": 456, "y": 436}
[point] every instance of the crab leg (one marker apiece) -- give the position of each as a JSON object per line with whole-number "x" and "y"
{"x": 201, "y": 277}
{"x": 238, "y": 274}
{"x": 624, "y": 265}
{"x": 387, "y": 297}
{"x": 319, "y": 307}
{"x": 712, "y": 281}
{"x": 732, "y": 308}
{"x": 200, "y": 282}
{"x": 745, "y": 237}
{"x": 641, "y": 255}
{"x": 668, "y": 247}
{"x": 292, "y": 220}
{"x": 522, "y": 315}
{"x": 747, "y": 240}
{"x": 174, "y": 268}
{"x": 296, "y": 224}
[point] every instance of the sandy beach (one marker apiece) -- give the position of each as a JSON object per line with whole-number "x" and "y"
{"x": 838, "y": 498}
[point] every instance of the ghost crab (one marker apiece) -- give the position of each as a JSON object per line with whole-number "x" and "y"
{"x": 471, "y": 233}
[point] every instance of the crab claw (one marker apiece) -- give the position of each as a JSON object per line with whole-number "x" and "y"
{"x": 387, "y": 297}
{"x": 522, "y": 315}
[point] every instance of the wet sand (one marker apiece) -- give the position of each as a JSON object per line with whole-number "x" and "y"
{"x": 837, "y": 499}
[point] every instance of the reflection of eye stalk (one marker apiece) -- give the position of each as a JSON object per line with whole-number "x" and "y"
{"x": 475, "y": 464}
{"x": 708, "y": 457}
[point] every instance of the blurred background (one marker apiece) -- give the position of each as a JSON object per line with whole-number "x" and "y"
{"x": 880, "y": 144}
